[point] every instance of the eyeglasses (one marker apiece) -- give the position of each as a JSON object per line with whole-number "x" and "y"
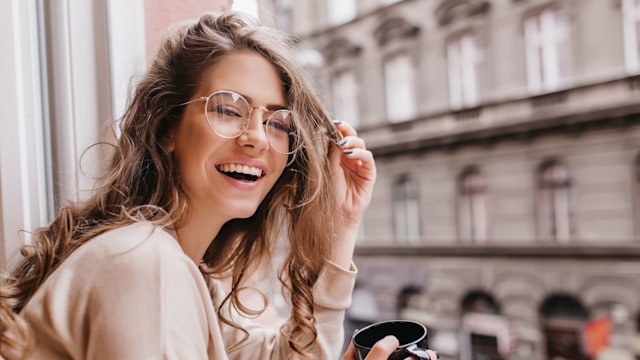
{"x": 228, "y": 115}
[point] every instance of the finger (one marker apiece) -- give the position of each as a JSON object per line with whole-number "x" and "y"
{"x": 433, "y": 355}
{"x": 365, "y": 157}
{"x": 383, "y": 348}
{"x": 350, "y": 354}
{"x": 345, "y": 128}
{"x": 350, "y": 142}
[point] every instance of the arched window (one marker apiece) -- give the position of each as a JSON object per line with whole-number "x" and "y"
{"x": 406, "y": 210}
{"x": 472, "y": 211}
{"x": 555, "y": 206}
{"x": 563, "y": 320}
{"x": 486, "y": 330}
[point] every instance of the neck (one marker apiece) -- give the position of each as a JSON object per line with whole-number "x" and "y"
{"x": 196, "y": 235}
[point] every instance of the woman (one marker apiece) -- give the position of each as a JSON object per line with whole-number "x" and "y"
{"x": 223, "y": 151}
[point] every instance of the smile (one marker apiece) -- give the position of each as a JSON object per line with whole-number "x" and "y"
{"x": 241, "y": 172}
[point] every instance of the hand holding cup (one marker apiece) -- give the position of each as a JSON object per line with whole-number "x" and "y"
{"x": 390, "y": 340}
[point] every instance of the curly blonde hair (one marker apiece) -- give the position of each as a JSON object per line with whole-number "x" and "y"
{"x": 142, "y": 182}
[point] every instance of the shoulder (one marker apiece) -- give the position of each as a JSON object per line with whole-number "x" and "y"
{"x": 124, "y": 262}
{"x": 139, "y": 248}
{"x": 131, "y": 254}
{"x": 142, "y": 242}
{"x": 127, "y": 238}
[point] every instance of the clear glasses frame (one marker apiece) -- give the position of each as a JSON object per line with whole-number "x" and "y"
{"x": 228, "y": 115}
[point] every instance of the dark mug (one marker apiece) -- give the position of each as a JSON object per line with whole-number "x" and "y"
{"x": 412, "y": 336}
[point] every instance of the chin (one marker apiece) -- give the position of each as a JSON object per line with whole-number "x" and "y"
{"x": 243, "y": 213}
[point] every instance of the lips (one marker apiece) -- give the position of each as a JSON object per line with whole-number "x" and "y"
{"x": 241, "y": 171}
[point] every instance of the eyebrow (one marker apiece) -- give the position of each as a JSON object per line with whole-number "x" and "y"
{"x": 272, "y": 107}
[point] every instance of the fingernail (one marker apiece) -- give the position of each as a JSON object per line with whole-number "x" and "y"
{"x": 341, "y": 142}
{"x": 347, "y": 152}
{"x": 437, "y": 354}
{"x": 337, "y": 122}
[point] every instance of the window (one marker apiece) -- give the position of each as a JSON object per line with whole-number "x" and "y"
{"x": 283, "y": 15}
{"x": 631, "y": 28}
{"x": 406, "y": 210}
{"x": 472, "y": 206}
{"x": 463, "y": 58}
{"x": 547, "y": 50}
{"x": 399, "y": 89}
{"x": 341, "y": 11}
{"x": 345, "y": 97}
{"x": 555, "y": 201}
{"x": 637, "y": 192}
{"x": 563, "y": 320}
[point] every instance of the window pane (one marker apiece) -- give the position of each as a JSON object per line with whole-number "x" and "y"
{"x": 400, "y": 98}
{"x": 406, "y": 210}
{"x": 472, "y": 212}
{"x": 555, "y": 202}
{"x": 547, "y": 50}
{"x": 463, "y": 62}
{"x": 341, "y": 11}
{"x": 345, "y": 98}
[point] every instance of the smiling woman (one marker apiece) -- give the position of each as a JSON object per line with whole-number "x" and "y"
{"x": 222, "y": 153}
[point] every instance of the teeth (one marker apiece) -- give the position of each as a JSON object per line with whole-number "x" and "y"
{"x": 242, "y": 169}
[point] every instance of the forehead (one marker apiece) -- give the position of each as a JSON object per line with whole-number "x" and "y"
{"x": 247, "y": 73}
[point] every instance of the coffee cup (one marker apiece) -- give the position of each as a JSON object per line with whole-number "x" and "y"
{"x": 411, "y": 335}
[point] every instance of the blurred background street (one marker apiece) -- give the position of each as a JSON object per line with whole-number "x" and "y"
{"x": 506, "y": 215}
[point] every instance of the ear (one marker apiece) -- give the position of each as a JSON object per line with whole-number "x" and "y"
{"x": 169, "y": 142}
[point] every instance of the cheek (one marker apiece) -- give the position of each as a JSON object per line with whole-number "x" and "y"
{"x": 280, "y": 163}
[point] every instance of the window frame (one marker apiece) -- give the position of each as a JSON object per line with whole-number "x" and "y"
{"x": 344, "y": 87}
{"x": 555, "y": 192}
{"x": 631, "y": 31}
{"x": 547, "y": 55}
{"x": 394, "y": 80}
{"x": 341, "y": 11}
{"x": 463, "y": 62}
{"x": 406, "y": 197}
{"x": 472, "y": 206}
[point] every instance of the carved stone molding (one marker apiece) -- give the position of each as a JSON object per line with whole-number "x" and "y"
{"x": 395, "y": 28}
{"x": 341, "y": 48}
{"x": 451, "y": 10}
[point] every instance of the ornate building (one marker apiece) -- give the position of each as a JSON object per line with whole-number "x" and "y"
{"x": 506, "y": 214}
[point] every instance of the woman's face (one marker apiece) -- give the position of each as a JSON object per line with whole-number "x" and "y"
{"x": 227, "y": 178}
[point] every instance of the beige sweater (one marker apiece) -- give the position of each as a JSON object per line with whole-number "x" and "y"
{"x": 132, "y": 293}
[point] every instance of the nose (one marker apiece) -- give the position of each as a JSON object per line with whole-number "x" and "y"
{"x": 254, "y": 133}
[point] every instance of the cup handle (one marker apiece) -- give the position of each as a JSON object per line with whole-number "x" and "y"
{"x": 419, "y": 353}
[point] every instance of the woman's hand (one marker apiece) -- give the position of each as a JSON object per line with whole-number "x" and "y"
{"x": 353, "y": 172}
{"x": 382, "y": 349}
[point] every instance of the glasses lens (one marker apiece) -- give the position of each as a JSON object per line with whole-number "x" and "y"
{"x": 226, "y": 113}
{"x": 282, "y": 132}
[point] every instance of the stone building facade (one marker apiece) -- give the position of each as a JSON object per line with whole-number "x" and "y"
{"x": 506, "y": 215}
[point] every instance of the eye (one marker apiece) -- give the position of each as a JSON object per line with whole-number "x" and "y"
{"x": 281, "y": 121}
{"x": 278, "y": 125}
{"x": 225, "y": 110}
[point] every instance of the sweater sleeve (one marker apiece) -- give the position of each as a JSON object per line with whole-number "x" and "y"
{"x": 140, "y": 302}
{"x": 332, "y": 296}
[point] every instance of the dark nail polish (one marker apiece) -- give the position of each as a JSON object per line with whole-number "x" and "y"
{"x": 347, "y": 152}
{"x": 341, "y": 142}
{"x": 337, "y": 122}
